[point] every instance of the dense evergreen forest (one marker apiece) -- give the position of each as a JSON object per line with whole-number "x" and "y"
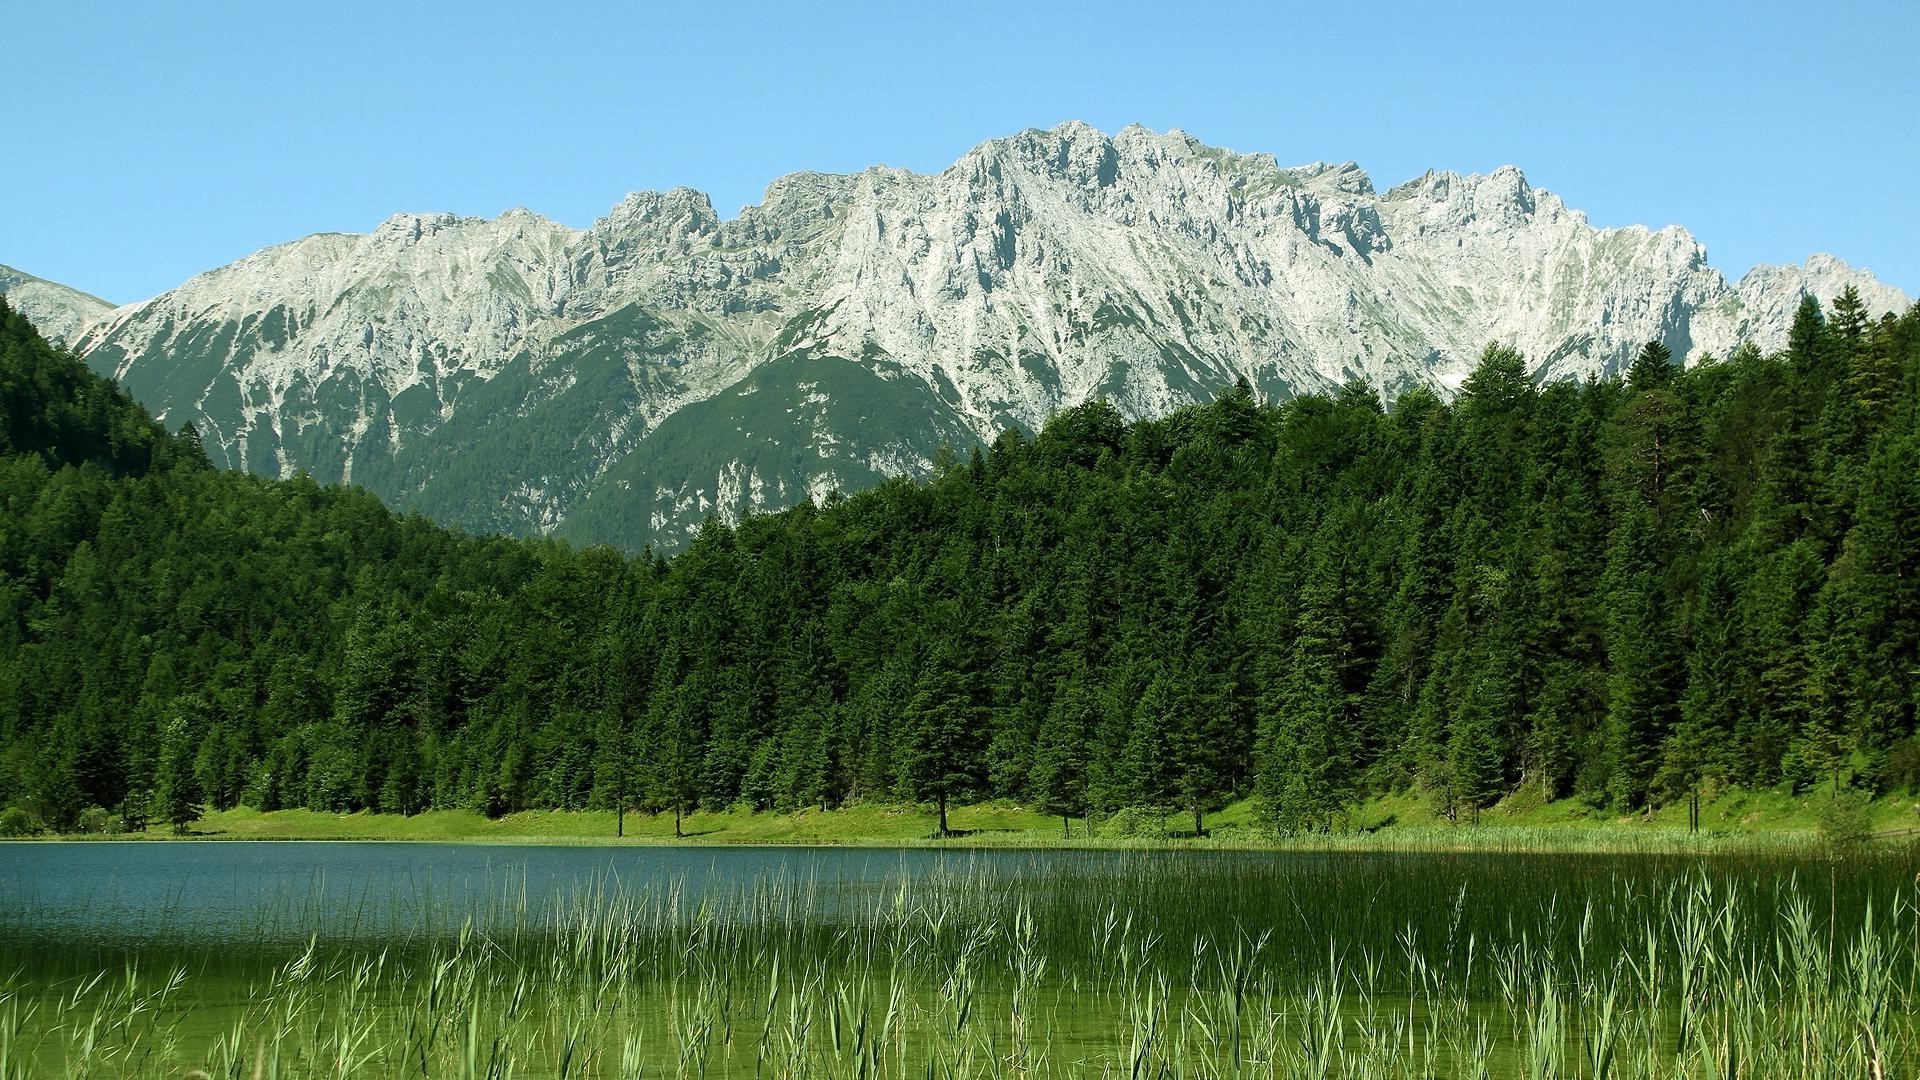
{"x": 1627, "y": 591}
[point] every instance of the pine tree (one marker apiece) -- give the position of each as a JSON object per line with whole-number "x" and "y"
{"x": 1652, "y": 367}
{"x": 1776, "y": 605}
{"x": 1874, "y": 379}
{"x": 1702, "y": 747}
{"x": 1642, "y": 689}
{"x": 1059, "y": 777}
{"x": 1477, "y": 766}
{"x": 179, "y": 787}
{"x": 1309, "y": 733}
{"x": 1806, "y": 336}
{"x": 1849, "y": 322}
{"x": 940, "y": 753}
{"x": 1147, "y": 767}
{"x": 1875, "y": 590}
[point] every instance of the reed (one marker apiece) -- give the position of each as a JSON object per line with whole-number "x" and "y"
{"x": 1223, "y": 968}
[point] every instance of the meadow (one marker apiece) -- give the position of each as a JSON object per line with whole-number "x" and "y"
{"x": 1732, "y": 820}
{"x": 1022, "y": 964}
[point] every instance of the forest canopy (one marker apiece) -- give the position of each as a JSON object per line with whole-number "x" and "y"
{"x": 1626, "y": 590}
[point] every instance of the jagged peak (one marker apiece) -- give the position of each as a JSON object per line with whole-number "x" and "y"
{"x": 1081, "y": 130}
{"x": 1824, "y": 276}
{"x": 1037, "y": 270}
{"x": 415, "y": 227}
{"x": 1080, "y": 136}
{"x": 1346, "y": 177}
{"x": 521, "y": 214}
{"x": 1172, "y": 146}
{"x": 679, "y": 195}
{"x": 1082, "y": 154}
{"x": 1441, "y": 184}
{"x": 1038, "y": 142}
{"x": 1821, "y": 262}
{"x": 1073, "y": 151}
{"x": 808, "y": 186}
{"x": 690, "y": 206}
{"x": 1175, "y": 140}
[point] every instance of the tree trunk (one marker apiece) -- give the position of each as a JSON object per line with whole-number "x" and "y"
{"x": 620, "y": 819}
{"x": 943, "y": 814}
{"x": 676, "y": 822}
{"x": 1199, "y": 826}
{"x": 1066, "y": 827}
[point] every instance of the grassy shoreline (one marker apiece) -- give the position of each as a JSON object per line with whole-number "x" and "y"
{"x": 1240, "y": 968}
{"x": 1736, "y": 820}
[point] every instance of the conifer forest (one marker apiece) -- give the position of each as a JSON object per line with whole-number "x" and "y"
{"x": 1627, "y": 591}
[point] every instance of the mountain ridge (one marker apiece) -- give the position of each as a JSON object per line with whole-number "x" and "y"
{"x": 1037, "y": 271}
{"x": 60, "y": 312}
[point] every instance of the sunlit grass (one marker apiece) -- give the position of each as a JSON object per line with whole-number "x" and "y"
{"x": 1738, "y": 820}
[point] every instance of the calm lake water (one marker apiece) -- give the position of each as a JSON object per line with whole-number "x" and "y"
{"x": 263, "y": 892}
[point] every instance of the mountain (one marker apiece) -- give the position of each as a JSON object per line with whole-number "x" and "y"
{"x": 619, "y": 383}
{"x": 58, "y": 312}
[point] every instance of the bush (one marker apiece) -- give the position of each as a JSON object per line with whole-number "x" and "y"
{"x": 17, "y": 822}
{"x": 1900, "y": 767}
{"x": 1846, "y": 822}
{"x": 95, "y": 819}
{"x": 1133, "y": 823}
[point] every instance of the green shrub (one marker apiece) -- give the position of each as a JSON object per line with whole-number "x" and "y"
{"x": 96, "y": 819}
{"x": 17, "y": 822}
{"x": 1133, "y": 823}
{"x": 1846, "y": 821}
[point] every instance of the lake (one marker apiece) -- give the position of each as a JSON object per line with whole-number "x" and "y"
{"x": 108, "y": 892}
{"x": 696, "y": 958}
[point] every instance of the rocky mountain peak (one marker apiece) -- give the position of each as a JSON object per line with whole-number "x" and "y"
{"x": 1345, "y": 178}
{"x": 60, "y": 313}
{"x": 621, "y": 382}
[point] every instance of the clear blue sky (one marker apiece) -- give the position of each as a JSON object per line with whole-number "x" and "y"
{"x": 148, "y": 142}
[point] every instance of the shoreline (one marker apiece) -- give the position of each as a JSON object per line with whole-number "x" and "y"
{"x": 1783, "y": 825}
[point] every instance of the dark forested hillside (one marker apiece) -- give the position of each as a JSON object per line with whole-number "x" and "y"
{"x": 1625, "y": 591}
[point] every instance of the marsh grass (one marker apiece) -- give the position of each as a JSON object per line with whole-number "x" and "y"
{"x": 1145, "y": 965}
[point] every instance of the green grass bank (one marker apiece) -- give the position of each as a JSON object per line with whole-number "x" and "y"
{"x": 1733, "y": 819}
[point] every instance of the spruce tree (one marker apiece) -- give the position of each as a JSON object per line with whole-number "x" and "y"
{"x": 1642, "y": 691}
{"x": 942, "y": 738}
{"x": 1059, "y": 777}
{"x": 179, "y": 789}
{"x": 1652, "y": 367}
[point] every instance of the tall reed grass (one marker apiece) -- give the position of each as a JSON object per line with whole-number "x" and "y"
{"x": 1137, "y": 967}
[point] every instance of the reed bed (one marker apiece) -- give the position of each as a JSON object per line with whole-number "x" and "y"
{"x": 1136, "y": 967}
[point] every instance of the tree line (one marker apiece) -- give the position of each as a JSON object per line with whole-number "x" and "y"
{"x": 1629, "y": 590}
